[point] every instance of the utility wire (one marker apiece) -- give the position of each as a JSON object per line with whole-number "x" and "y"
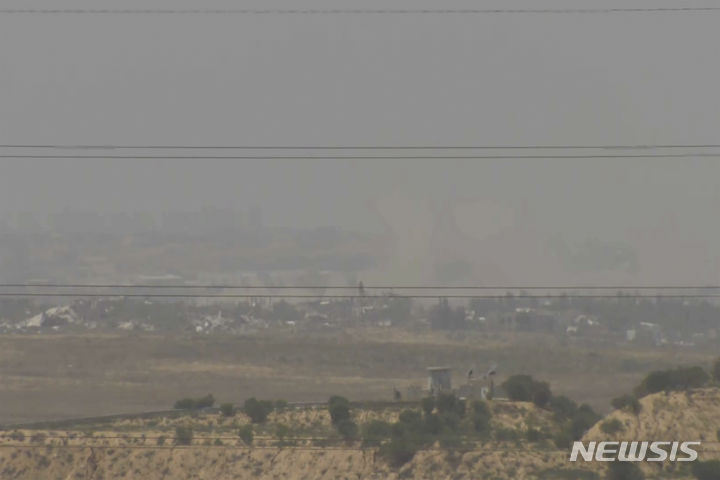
{"x": 362, "y": 157}
{"x": 319, "y": 296}
{"x": 355, "y": 147}
{"x": 414, "y": 11}
{"x": 356, "y": 287}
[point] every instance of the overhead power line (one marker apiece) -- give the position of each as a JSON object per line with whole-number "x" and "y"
{"x": 361, "y": 157}
{"x": 358, "y": 147}
{"x": 344, "y": 296}
{"x": 355, "y": 287}
{"x": 333, "y": 11}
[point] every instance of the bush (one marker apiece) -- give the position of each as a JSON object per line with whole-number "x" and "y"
{"x": 481, "y": 415}
{"x": 612, "y": 426}
{"x": 449, "y": 403}
{"x": 227, "y": 410}
{"x": 680, "y": 378}
{"x": 507, "y": 435}
{"x": 183, "y": 435}
{"x": 523, "y": 388}
{"x": 185, "y": 404}
{"x": 246, "y": 434}
{"x": 280, "y": 405}
{"x": 339, "y": 408}
{"x": 563, "y": 407}
{"x": 584, "y": 418}
{"x": 433, "y": 424}
{"x": 205, "y": 402}
{"x": 563, "y": 438}
{"x": 257, "y": 411}
{"x": 399, "y": 450}
{"x": 375, "y": 431}
{"x": 624, "y": 471}
{"x": 428, "y": 405}
{"x": 709, "y": 470}
{"x": 282, "y": 431}
{"x": 195, "y": 403}
{"x": 410, "y": 417}
{"x": 533, "y": 435}
{"x": 628, "y": 402}
{"x": 347, "y": 429}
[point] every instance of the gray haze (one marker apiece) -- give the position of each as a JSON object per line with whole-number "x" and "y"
{"x": 387, "y": 80}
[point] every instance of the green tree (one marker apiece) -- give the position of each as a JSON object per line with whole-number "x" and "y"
{"x": 629, "y": 402}
{"x": 246, "y": 434}
{"x": 183, "y": 435}
{"x": 524, "y": 388}
{"x": 227, "y": 410}
{"x": 680, "y": 378}
{"x": 347, "y": 429}
{"x": 375, "y": 432}
{"x": 611, "y": 426}
{"x": 563, "y": 407}
{"x": 428, "y": 405}
{"x": 257, "y": 411}
{"x": 339, "y": 408}
{"x": 449, "y": 403}
{"x": 481, "y": 415}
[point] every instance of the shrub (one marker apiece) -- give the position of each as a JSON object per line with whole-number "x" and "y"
{"x": 680, "y": 378}
{"x": 227, "y": 410}
{"x": 183, "y": 435}
{"x": 281, "y": 432}
{"x": 612, "y": 426}
{"x": 246, "y": 434}
{"x": 449, "y": 403}
{"x": 563, "y": 438}
{"x": 195, "y": 403}
{"x": 563, "y": 407}
{"x": 523, "y": 388}
{"x": 410, "y": 417}
{"x": 347, "y": 429}
{"x": 624, "y": 471}
{"x": 481, "y": 416}
{"x": 185, "y": 404}
{"x": 205, "y": 402}
{"x": 257, "y": 411}
{"x": 399, "y": 450}
{"x": 507, "y": 435}
{"x": 709, "y": 470}
{"x": 542, "y": 395}
{"x": 433, "y": 424}
{"x": 428, "y": 405}
{"x": 280, "y": 405}
{"x": 584, "y": 418}
{"x": 339, "y": 408}
{"x": 375, "y": 431}
{"x": 533, "y": 435}
{"x": 628, "y": 402}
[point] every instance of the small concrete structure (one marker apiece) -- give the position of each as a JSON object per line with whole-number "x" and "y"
{"x": 439, "y": 380}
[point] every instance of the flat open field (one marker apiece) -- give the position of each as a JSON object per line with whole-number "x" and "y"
{"x": 45, "y": 377}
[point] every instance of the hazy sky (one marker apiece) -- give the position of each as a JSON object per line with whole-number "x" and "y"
{"x": 372, "y": 80}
